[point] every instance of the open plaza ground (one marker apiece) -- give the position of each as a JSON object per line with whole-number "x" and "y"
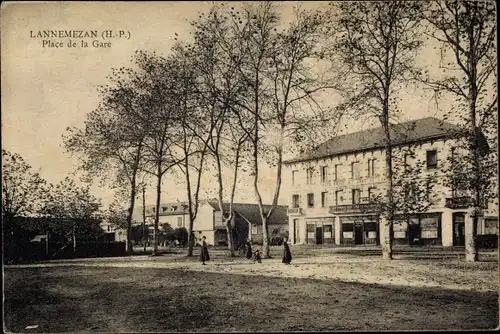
{"x": 325, "y": 289}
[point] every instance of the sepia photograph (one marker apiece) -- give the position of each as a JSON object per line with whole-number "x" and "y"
{"x": 249, "y": 166}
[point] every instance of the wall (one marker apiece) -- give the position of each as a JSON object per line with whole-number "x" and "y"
{"x": 344, "y": 182}
{"x": 172, "y": 220}
{"x": 256, "y": 231}
{"x": 205, "y": 218}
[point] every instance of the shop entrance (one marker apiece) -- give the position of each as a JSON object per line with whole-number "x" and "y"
{"x": 458, "y": 229}
{"x": 358, "y": 234}
{"x": 319, "y": 235}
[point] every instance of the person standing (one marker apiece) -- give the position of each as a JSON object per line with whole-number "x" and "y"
{"x": 287, "y": 255}
{"x": 249, "y": 250}
{"x": 204, "y": 251}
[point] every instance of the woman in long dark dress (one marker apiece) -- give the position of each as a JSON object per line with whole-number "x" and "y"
{"x": 287, "y": 256}
{"x": 249, "y": 250}
{"x": 204, "y": 251}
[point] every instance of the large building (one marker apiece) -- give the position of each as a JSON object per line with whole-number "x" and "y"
{"x": 209, "y": 223}
{"x": 331, "y": 189}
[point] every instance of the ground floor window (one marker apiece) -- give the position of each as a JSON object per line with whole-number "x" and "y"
{"x": 491, "y": 226}
{"x": 359, "y": 230}
{"x": 320, "y": 231}
{"x": 424, "y": 229}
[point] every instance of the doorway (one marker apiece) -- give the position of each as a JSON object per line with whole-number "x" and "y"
{"x": 319, "y": 235}
{"x": 458, "y": 229}
{"x": 358, "y": 234}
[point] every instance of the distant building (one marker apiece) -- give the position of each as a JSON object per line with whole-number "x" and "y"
{"x": 113, "y": 232}
{"x": 246, "y": 221}
{"x": 331, "y": 187}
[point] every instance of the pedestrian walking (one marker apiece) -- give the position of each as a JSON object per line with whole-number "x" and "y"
{"x": 204, "y": 251}
{"x": 256, "y": 256}
{"x": 287, "y": 255}
{"x": 249, "y": 250}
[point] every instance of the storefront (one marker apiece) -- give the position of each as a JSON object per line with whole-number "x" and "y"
{"x": 320, "y": 231}
{"x": 420, "y": 229}
{"x": 359, "y": 230}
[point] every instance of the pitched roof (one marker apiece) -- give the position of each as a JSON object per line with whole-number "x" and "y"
{"x": 251, "y": 212}
{"x": 403, "y": 133}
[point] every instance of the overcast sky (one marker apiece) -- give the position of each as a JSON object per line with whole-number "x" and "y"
{"x": 47, "y": 89}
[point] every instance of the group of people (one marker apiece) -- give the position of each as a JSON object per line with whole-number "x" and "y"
{"x": 255, "y": 256}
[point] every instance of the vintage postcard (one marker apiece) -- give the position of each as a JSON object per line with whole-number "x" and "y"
{"x": 249, "y": 166}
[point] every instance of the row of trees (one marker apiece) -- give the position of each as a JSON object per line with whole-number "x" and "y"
{"x": 68, "y": 209}
{"x": 246, "y": 89}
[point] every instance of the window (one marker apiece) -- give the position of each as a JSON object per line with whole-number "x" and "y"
{"x": 490, "y": 226}
{"x": 294, "y": 176}
{"x": 347, "y": 230}
{"x": 323, "y": 199}
{"x": 428, "y": 189}
{"x": 295, "y": 201}
{"x": 337, "y": 171}
{"x": 354, "y": 170}
{"x": 338, "y": 197}
{"x": 174, "y": 208}
{"x": 164, "y": 208}
{"x": 372, "y": 191}
{"x": 179, "y": 221}
{"x": 254, "y": 228}
{"x": 432, "y": 159}
{"x": 409, "y": 161}
{"x": 310, "y": 200}
{"x": 310, "y": 173}
{"x": 400, "y": 228}
{"x": 324, "y": 174}
{"x": 371, "y": 167}
{"x": 429, "y": 227}
{"x": 356, "y": 196}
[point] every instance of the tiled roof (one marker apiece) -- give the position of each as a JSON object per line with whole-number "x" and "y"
{"x": 251, "y": 212}
{"x": 402, "y": 133}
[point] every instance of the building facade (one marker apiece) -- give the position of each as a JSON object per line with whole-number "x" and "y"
{"x": 331, "y": 191}
{"x": 246, "y": 221}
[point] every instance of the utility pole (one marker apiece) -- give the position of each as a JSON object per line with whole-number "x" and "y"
{"x": 144, "y": 217}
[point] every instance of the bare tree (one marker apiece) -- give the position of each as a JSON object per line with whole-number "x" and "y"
{"x": 467, "y": 33}
{"x": 218, "y": 85}
{"x": 159, "y": 114}
{"x": 191, "y": 149}
{"x": 110, "y": 142}
{"x": 374, "y": 46}
{"x": 278, "y": 67}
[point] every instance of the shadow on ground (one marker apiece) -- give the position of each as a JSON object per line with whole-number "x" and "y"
{"x": 69, "y": 299}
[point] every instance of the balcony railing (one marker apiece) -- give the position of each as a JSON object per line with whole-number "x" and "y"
{"x": 361, "y": 207}
{"x": 356, "y": 181}
{"x": 461, "y": 203}
{"x": 294, "y": 211}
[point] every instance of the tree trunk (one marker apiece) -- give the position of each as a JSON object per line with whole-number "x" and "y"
{"x": 230, "y": 238}
{"x": 190, "y": 237}
{"x": 157, "y": 211}
{"x": 388, "y": 221}
{"x": 129, "y": 248}
{"x": 470, "y": 231}
{"x": 74, "y": 240}
{"x": 470, "y": 238}
{"x": 144, "y": 238}
{"x": 265, "y": 239}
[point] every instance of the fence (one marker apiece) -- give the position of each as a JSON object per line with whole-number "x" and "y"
{"x": 37, "y": 251}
